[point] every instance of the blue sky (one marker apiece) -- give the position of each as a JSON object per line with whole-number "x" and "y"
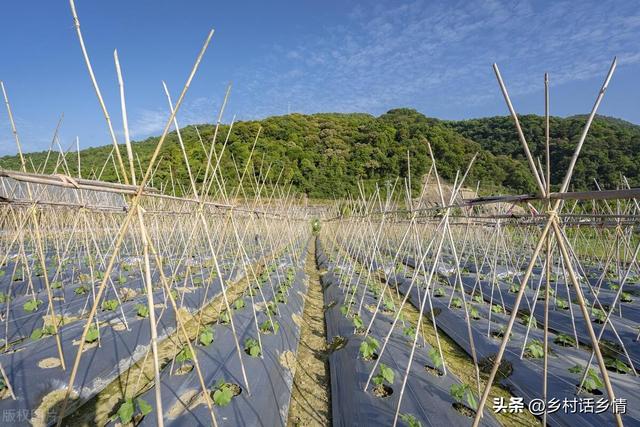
{"x": 310, "y": 56}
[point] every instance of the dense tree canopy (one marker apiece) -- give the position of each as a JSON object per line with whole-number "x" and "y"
{"x": 326, "y": 155}
{"x": 611, "y": 149}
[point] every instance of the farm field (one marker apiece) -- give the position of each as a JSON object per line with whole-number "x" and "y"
{"x": 318, "y": 269}
{"x": 414, "y": 312}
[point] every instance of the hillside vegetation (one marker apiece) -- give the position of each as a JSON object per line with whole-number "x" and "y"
{"x": 326, "y": 155}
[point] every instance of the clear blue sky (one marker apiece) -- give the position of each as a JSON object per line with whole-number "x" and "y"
{"x": 310, "y": 56}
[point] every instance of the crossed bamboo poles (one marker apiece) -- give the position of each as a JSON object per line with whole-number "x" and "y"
{"x": 134, "y": 208}
{"x": 561, "y": 243}
{"x": 544, "y": 239}
{"x": 553, "y": 225}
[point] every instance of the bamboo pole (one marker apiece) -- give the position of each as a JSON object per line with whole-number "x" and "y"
{"x": 545, "y": 362}
{"x": 125, "y": 120}
{"x": 76, "y": 23}
{"x": 124, "y": 227}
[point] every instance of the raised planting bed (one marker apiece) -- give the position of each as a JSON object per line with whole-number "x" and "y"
{"x": 118, "y": 348}
{"x": 525, "y": 379}
{"x": 270, "y": 370}
{"x": 427, "y": 396}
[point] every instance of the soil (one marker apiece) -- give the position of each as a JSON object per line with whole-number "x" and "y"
{"x": 464, "y": 410}
{"x": 594, "y": 392}
{"x": 118, "y": 326}
{"x": 184, "y": 369}
{"x": 5, "y": 394}
{"x": 235, "y": 389}
{"x": 382, "y": 391}
{"x": 373, "y": 357}
{"x": 51, "y": 405}
{"x": 87, "y": 345}
{"x": 186, "y": 398}
{"x": 49, "y": 362}
{"x": 288, "y": 361}
{"x": 433, "y": 371}
{"x": 486, "y": 365}
{"x": 297, "y": 319}
{"x": 338, "y": 342}
{"x": 310, "y": 398}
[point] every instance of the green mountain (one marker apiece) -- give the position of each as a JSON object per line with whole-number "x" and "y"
{"x": 612, "y": 147}
{"x": 326, "y": 155}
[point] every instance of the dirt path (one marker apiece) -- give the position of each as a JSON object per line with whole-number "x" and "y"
{"x": 310, "y": 399}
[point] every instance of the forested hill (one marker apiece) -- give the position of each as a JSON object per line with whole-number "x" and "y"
{"x": 612, "y": 147}
{"x": 325, "y": 155}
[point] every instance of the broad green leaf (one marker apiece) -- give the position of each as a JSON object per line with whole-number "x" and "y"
{"x": 126, "y": 410}
{"x": 36, "y": 334}
{"x": 92, "y": 334}
{"x": 144, "y": 407}
{"x": 223, "y": 395}
{"x": 206, "y": 337}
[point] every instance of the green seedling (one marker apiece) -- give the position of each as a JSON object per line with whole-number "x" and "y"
{"x": 142, "y": 310}
{"x": 564, "y": 340}
{"x": 463, "y": 393}
{"x": 252, "y": 347}
{"x": 456, "y": 302}
{"x": 222, "y": 394}
{"x": 534, "y": 349}
{"x": 110, "y": 305}
{"x": 185, "y": 355}
{"x": 92, "y": 334}
{"x": 128, "y": 408}
{"x": 434, "y": 355}
{"x": 528, "y": 320}
{"x": 410, "y": 420}
{"x": 385, "y": 375}
{"x": 265, "y": 327}
{"x": 368, "y": 348}
{"x": 206, "y": 336}
{"x": 32, "y": 305}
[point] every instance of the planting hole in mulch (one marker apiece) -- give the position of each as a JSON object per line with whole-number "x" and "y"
{"x": 329, "y": 306}
{"x": 373, "y": 358}
{"x": 382, "y": 391}
{"x": 338, "y": 342}
{"x": 223, "y": 388}
{"x": 118, "y": 326}
{"x": 433, "y": 371}
{"x": 184, "y": 369}
{"x": 464, "y": 410}
{"x": 49, "y": 362}
{"x": 486, "y": 365}
{"x": 594, "y": 392}
{"x": 436, "y": 312}
{"x": 87, "y": 345}
{"x": 235, "y": 389}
